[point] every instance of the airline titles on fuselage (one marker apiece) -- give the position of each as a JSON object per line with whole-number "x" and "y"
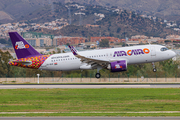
{"x": 60, "y": 57}
{"x": 131, "y": 52}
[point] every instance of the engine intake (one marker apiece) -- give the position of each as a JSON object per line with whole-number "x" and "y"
{"x": 118, "y": 66}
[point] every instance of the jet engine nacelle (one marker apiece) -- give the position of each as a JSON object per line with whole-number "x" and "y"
{"x": 118, "y": 66}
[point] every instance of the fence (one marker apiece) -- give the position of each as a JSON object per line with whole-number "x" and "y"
{"x": 27, "y": 80}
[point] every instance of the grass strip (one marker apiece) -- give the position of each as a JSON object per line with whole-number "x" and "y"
{"x": 123, "y": 83}
{"x": 88, "y": 100}
{"x": 93, "y": 114}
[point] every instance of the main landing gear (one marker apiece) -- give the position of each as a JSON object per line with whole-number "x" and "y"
{"x": 98, "y": 75}
{"x": 154, "y": 67}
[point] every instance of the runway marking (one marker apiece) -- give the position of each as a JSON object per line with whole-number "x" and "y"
{"x": 72, "y": 86}
{"x": 90, "y": 112}
{"x": 86, "y": 86}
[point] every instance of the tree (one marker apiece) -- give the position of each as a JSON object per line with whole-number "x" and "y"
{"x": 167, "y": 41}
{"x": 5, "y": 68}
{"x": 2, "y": 72}
{"x": 3, "y": 41}
{"x": 104, "y": 43}
{"x": 118, "y": 30}
{"x": 169, "y": 67}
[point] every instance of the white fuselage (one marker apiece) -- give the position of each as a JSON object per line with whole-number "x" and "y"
{"x": 133, "y": 55}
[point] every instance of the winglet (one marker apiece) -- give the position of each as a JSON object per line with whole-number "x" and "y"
{"x": 73, "y": 50}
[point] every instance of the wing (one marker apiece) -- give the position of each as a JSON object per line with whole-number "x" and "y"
{"x": 90, "y": 61}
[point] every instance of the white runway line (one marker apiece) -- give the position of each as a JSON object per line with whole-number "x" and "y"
{"x": 86, "y": 86}
{"x": 89, "y": 112}
{"x": 71, "y": 86}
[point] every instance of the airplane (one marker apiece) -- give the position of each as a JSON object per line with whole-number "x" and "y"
{"x": 113, "y": 59}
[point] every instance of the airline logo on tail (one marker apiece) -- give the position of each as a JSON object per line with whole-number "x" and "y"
{"x": 20, "y": 45}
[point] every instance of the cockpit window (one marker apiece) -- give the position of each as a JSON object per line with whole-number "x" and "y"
{"x": 164, "y": 49}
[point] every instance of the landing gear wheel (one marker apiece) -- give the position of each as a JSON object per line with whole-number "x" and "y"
{"x": 98, "y": 75}
{"x": 154, "y": 67}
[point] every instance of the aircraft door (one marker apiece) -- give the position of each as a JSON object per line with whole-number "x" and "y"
{"x": 107, "y": 55}
{"x": 153, "y": 51}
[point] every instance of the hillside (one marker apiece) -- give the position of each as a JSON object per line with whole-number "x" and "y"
{"x": 5, "y": 16}
{"x": 17, "y": 9}
{"x": 46, "y": 14}
{"x": 166, "y": 9}
{"x": 126, "y": 24}
{"x": 121, "y": 25}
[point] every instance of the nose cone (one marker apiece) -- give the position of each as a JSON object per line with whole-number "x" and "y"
{"x": 173, "y": 54}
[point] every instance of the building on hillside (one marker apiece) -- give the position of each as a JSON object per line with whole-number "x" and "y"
{"x": 39, "y": 42}
{"x": 132, "y": 42}
{"x": 70, "y": 40}
{"x": 139, "y": 37}
{"x": 177, "y": 37}
{"x": 89, "y": 25}
{"x": 36, "y": 35}
{"x": 38, "y": 39}
{"x": 111, "y": 39}
{"x": 2, "y": 46}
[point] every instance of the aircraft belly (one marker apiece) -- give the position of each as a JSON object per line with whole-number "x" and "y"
{"x": 69, "y": 66}
{"x": 140, "y": 59}
{"x": 61, "y": 66}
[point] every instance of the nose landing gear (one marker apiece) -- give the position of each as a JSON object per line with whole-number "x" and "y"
{"x": 154, "y": 67}
{"x": 154, "y": 70}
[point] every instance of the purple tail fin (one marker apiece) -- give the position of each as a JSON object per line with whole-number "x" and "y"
{"x": 21, "y": 47}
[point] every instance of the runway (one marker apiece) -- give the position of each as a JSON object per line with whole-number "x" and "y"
{"x": 89, "y": 118}
{"x": 91, "y": 86}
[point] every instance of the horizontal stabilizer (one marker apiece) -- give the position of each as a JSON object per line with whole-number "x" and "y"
{"x": 23, "y": 62}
